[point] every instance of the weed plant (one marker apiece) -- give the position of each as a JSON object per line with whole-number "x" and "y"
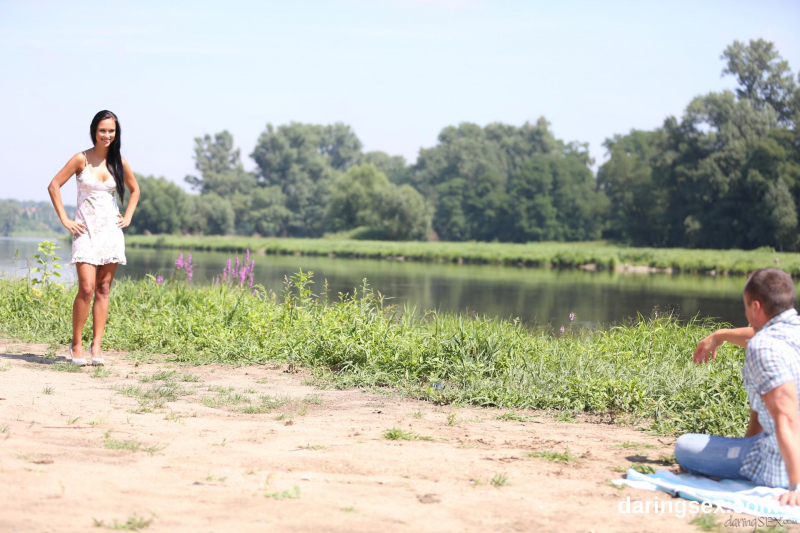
{"x": 557, "y": 457}
{"x": 639, "y": 372}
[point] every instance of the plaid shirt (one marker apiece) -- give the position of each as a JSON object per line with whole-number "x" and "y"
{"x": 772, "y": 358}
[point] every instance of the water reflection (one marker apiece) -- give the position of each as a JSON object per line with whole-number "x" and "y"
{"x": 536, "y": 296}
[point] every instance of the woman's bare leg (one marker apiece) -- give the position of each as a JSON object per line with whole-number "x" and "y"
{"x": 105, "y": 275}
{"x": 83, "y": 300}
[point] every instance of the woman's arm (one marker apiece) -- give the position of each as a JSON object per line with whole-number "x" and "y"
{"x": 73, "y": 166}
{"x": 133, "y": 187}
{"x": 709, "y": 345}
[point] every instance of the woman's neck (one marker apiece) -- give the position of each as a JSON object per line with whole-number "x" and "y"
{"x": 100, "y": 151}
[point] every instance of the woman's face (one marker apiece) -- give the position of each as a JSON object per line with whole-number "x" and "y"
{"x": 106, "y": 131}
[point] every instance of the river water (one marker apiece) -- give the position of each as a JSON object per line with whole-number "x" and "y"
{"x": 536, "y": 296}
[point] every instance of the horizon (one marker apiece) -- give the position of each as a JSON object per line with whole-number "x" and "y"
{"x": 397, "y": 73}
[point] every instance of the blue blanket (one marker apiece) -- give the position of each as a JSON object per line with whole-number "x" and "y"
{"x": 738, "y": 496}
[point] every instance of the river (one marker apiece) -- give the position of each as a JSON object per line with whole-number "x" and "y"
{"x": 536, "y": 296}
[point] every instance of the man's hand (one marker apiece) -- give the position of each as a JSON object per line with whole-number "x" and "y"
{"x": 707, "y": 347}
{"x": 790, "y": 497}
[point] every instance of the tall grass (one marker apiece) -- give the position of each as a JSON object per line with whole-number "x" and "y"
{"x": 641, "y": 370}
{"x": 554, "y": 254}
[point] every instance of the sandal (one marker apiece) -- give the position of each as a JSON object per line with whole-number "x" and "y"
{"x": 79, "y": 362}
{"x": 97, "y": 361}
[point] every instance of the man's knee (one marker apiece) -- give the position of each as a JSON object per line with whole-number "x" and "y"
{"x": 688, "y": 446}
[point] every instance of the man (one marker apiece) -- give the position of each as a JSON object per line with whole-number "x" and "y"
{"x": 769, "y": 453}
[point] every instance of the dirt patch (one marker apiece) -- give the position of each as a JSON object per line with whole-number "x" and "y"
{"x": 217, "y": 448}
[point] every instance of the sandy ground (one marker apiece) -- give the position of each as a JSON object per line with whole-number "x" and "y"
{"x": 319, "y": 462}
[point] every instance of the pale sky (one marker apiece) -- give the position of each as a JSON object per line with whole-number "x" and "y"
{"x": 397, "y": 71}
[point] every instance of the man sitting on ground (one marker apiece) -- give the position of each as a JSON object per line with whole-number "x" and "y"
{"x": 769, "y": 453}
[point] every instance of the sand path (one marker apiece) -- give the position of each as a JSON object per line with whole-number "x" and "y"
{"x": 319, "y": 461}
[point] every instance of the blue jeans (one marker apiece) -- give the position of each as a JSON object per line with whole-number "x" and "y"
{"x": 709, "y": 455}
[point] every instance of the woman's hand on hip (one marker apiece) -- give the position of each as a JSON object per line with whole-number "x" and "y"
{"x": 76, "y": 228}
{"x": 123, "y": 222}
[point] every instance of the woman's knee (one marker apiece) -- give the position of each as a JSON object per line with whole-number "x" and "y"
{"x": 103, "y": 290}
{"x": 86, "y": 291}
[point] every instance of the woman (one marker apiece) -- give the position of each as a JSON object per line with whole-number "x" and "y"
{"x": 98, "y": 244}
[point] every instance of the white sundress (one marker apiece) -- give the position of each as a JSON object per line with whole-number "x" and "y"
{"x": 103, "y": 241}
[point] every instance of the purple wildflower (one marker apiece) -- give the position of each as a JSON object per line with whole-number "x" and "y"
{"x": 160, "y": 280}
{"x": 571, "y": 317}
{"x": 179, "y": 262}
{"x": 562, "y": 329}
{"x": 189, "y": 266}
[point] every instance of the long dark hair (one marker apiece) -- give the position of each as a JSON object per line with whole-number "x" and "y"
{"x": 113, "y": 159}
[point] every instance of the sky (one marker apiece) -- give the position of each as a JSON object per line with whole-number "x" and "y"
{"x": 397, "y": 71}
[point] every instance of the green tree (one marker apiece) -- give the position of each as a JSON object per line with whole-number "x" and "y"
{"x": 780, "y": 208}
{"x": 210, "y": 214}
{"x": 268, "y": 214}
{"x": 395, "y": 167}
{"x": 509, "y": 183}
{"x": 222, "y": 173}
{"x": 764, "y": 77}
{"x": 298, "y": 159}
{"x": 401, "y": 214}
{"x": 162, "y": 208}
{"x": 638, "y": 203}
{"x": 351, "y": 202}
{"x": 9, "y": 213}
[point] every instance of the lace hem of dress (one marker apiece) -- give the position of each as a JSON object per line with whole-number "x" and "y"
{"x": 98, "y": 262}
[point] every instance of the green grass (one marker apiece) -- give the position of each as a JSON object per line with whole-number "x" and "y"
{"x": 64, "y": 367}
{"x": 557, "y": 457}
{"x": 399, "y": 434}
{"x": 133, "y": 523}
{"x": 511, "y": 416}
{"x": 499, "y": 480}
{"x": 132, "y": 445}
{"x": 154, "y": 397}
{"x": 640, "y": 371}
{"x": 284, "y": 494}
{"x": 643, "y": 468}
{"x": 313, "y": 399}
{"x": 48, "y": 390}
{"x": 568, "y": 254}
{"x": 169, "y": 375}
{"x": 628, "y": 445}
{"x": 705, "y": 522}
{"x": 100, "y": 372}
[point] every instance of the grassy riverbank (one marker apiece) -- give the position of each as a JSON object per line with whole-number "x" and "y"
{"x": 640, "y": 371}
{"x": 561, "y": 255}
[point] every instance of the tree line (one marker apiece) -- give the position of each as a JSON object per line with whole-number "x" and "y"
{"x": 724, "y": 175}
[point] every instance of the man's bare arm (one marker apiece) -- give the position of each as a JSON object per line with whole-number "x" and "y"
{"x": 708, "y": 346}
{"x": 782, "y": 405}
{"x": 753, "y": 426}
